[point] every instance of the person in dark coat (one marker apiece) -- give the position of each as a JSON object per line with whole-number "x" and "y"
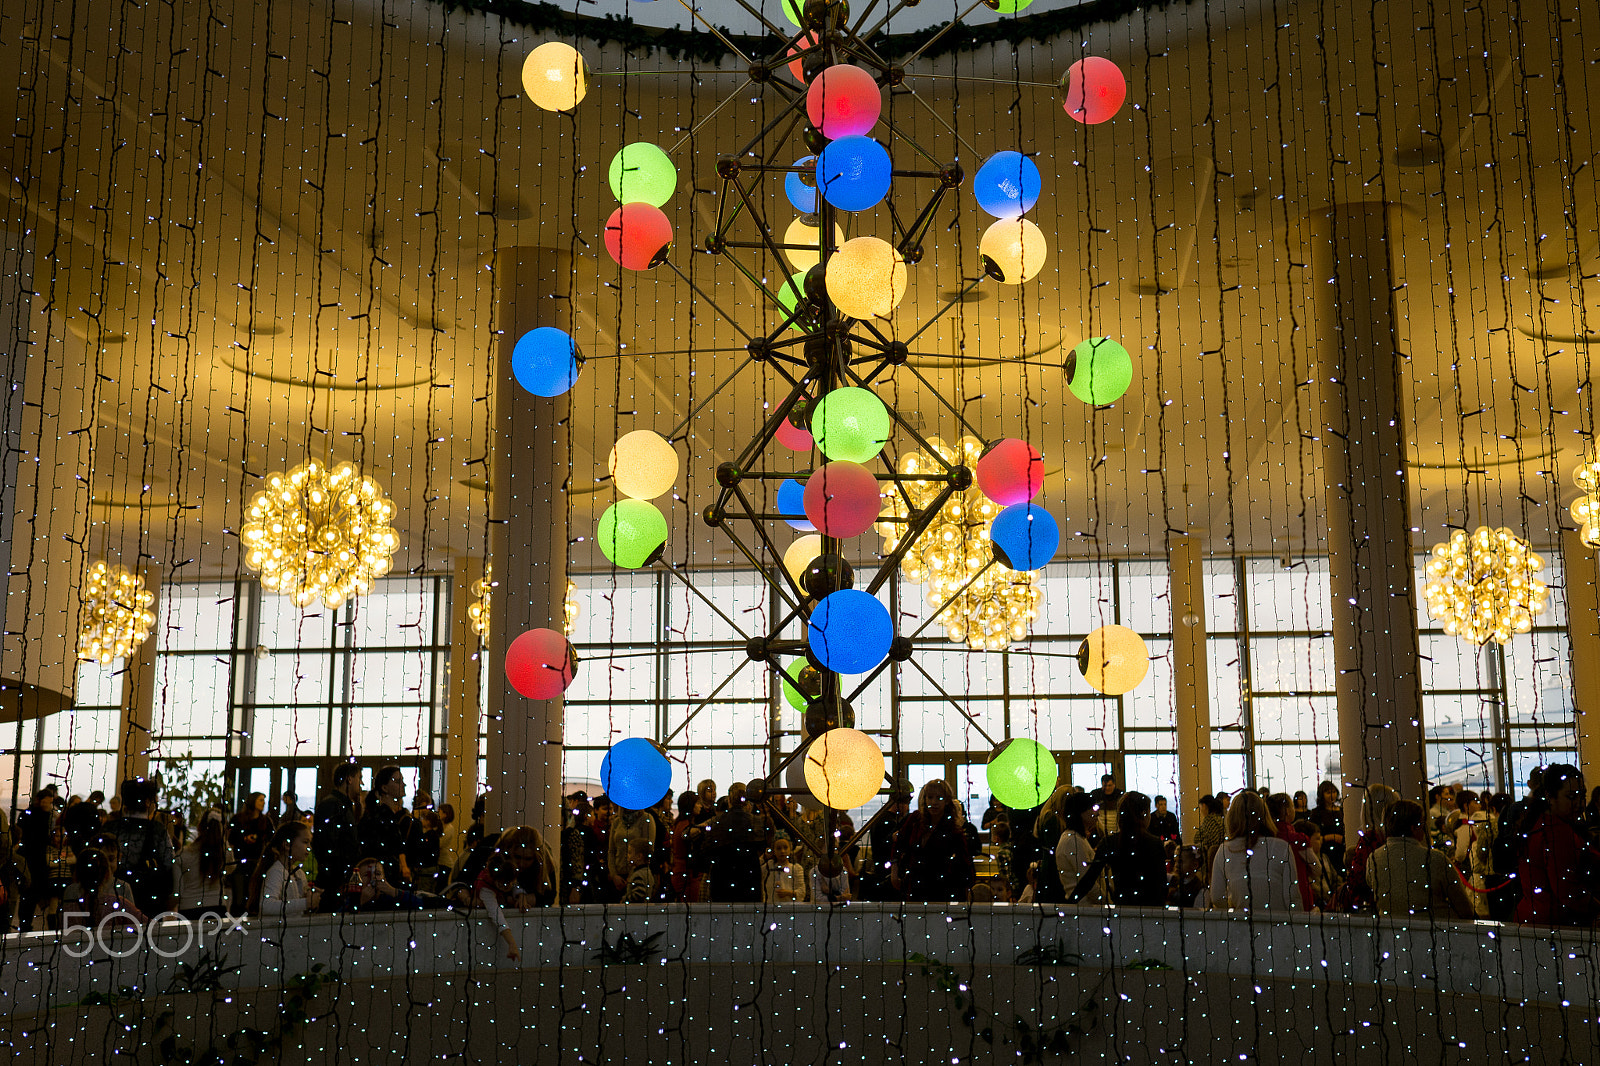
{"x": 875, "y": 879}
{"x": 1163, "y": 823}
{"x": 32, "y": 835}
{"x": 734, "y": 843}
{"x": 1135, "y": 857}
{"x": 144, "y": 849}
{"x": 932, "y": 859}
{"x": 82, "y": 821}
{"x": 334, "y": 840}
{"x": 385, "y": 828}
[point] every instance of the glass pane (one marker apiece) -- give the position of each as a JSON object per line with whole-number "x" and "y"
{"x": 1294, "y": 767}
{"x": 603, "y": 724}
{"x": 191, "y": 696}
{"x": 1450, "y": 662}
{"x": 283, "y": 625}
{"x": 614, "y": 605}
{"x": 1546, "y": 738}
{"x": 293, "y": 677}
{"x": 392, "y": 732}
{"x": 1278, "y": 599}
{"x": 195, "y": 617}
{"x": 960, "y": 673}
{"x": 1069, "y": 725}
{"x": 1227, "y": 740}
{"x": 1222, "y": 597}
{"x": 1294, "y": 718}
{"x": 398, "y": 613}
{"x": 722, "y": 765}
{"x": 1447, "y": 717}
{"x": 938, "y": 726}
{"x": 1227, "y": 772}
{"x": 1078, "y": 597}
{"x": 1227, "y": 680}
{"x": 1538, "y": 677}
{"x": 721, "y": 724}
{"x": 81, "y": 730}
{"x": 1523, "y": 763}
{"x": 100, "y": 686}
{"x": 1087, "y": 775}
{"x": 1149, "y": 740}
{"x": 289, "y": 731}
{"x": 1146, "y": 596}
{"x": 391, "y": 677}
{"x": 1047, "y": 667}
{"x": 698, "y": 673}
{"x": 1291, "y": 664}
{"x": 1150, "y": 705}
{"x": 80, "y": 773}
{"x": 628, "y": 676}
{"x": 580, "y": 771}
{"x": 1154, "y": 775}
{"x": 1472, "y": 764}
{"x": 740, "y": 595}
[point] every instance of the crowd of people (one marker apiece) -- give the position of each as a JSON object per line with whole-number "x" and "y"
{"x": 1461, "y": 855}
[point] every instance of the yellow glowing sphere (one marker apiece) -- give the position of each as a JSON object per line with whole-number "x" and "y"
{"x": 116, "y": 616}
{"x": 804, "y": 233}
{"x": 1482, "y": 587}
{"x": 1114, "y": 660}
{"x": 555, "y": 76}
{"x": 643, "y": 464}
{"x": 1586, "y": 508}
{"x": 1015, "y": 249}
{"x": 866, "y": 278}
{"x": 844, "y": 768}
{"x": 799, "y": 556}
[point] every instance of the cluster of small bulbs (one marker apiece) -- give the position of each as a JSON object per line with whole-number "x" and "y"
{"x": 117, "y": 615}
{"x": 1482, "y": 587}
{"x": 319, "y": 532}
{"x": 483, "y": 592}
{"x": 1001, "y": 605}
{"x": 1586, "y": 508}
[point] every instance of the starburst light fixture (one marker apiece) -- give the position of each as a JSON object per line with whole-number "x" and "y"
{"x": 116, "y": 613}
{"x": 319, "y": 532}
{"x": 1483, "y": 587}
{"x": 1586, "y": 508}
{"x": 1000, "y": 605}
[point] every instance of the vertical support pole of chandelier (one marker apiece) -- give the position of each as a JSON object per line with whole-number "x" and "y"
{"x": 527, "y": 543}
{"x": 138, "y": 701}
{"x": 461, "y": 740}
{"x": 1371, "y": 568}
{"x": 1190, "y": 675}
{"x": 1582, "y": 581}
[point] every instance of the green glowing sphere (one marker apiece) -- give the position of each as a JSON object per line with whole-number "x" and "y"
{"x": 850, "y": 424}
{"x": 631, "y": 532}
{"x": 642, "y": 173}
{"x": 1100, "y": 371}
{"x": 1022, "y": 773}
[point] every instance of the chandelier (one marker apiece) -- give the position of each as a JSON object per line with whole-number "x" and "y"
{"x": 116, "y": 613}
{"x": 1586, "y": 508}
{"x": 1482, "y": 587}
{"x": 319, "y": 532}
{"x": 989, "y": 607}
{"x": 483, "y": 591}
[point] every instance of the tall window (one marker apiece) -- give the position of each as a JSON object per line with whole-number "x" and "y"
{"x": 75, "y": 749}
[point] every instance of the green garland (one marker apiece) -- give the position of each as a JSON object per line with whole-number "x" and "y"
{"x": 705, "y": 47}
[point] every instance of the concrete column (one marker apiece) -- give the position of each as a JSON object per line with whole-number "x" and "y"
{"x": 1191, "y": 677}
{"x": 138, "y": 703}
{"x": 1583, "y": 631}
{"x": 461, "y": 742}
{"x": 527, "y": 543}
{"x": 1366, "y": 499}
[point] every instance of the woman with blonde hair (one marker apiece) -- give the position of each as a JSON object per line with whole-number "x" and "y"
{"x": 932, "y": 863}
{"x": 1253, "y": 870}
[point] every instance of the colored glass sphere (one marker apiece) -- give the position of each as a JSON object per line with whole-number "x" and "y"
{"x": 555, "y": 76}
{"x": 638, "y": 236}
{"x": 849, "y": 631}
{"x": 540, "y": 664}
{"x": 792, "y": 505}
{"x": 1113, "y": 660}
{"x": 844, "y": 101}
{"x": 1011, "y": 471}
{"x": 800, "y": 185}
{"x": 1100, "y": 371}
{"x": 842, "y": 499}
{"x": 1014, "y": 250}
{"x": 545, "y": 361}
{"x": 1007, "y": 185}
{"x": 642, "y": 173}
{"x": 844, "y": 768}
{"x": 1025, "y": 537}
{"x": 631, "y": 532}
{"x": 853, "y": 173}
{"x": 635, "y": 774}
{"x": 1094, "y": 90}
{"x": 866, "y": 278}
{"x": 793, "y": 437}
{"x": 643, "y": 464}
{"x": 808, "y": 236}
{"x": 1022, "y": 773}
{"x": 850, "y": 424}
{"x": 797, "y": 556}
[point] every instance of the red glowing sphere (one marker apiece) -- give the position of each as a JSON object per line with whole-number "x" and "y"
{"x": 636, "y": 234}
{"x": 842, "y": 499}
{"x": 1010, "y": 472}
{"x": 540, "y": 664}
{"x": 844, "y": 101}
{"x": 1095, "y": 90}
{"x": 793, "y": 437}
{"x": 797, "y": 66}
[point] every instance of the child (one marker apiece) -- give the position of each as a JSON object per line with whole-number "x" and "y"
{"x": 780, "y": 881}
{"x": 1324, "y": 881}
{"x": 1027, "y": 893}
{"x": 825, "y": 889}
{"x": 1191, "y": 879}
{"x": 368, "y": 890}
{"x": 641, "y": 885}
{"x": 97, "y": 893}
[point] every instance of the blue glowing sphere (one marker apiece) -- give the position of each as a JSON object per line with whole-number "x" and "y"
{"x": 635, "y": 774}
{"x": 1024, "y": 536}
{"x": 1007, "y": 185}
{"x": 853, "y": 173}
{"x": 801, "y": 188}
{"x": 850, "y": 631}
{"x": 791, "y": 501}
{"x": 545, "y": 361}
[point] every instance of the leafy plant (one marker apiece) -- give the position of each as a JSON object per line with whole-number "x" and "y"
{"x": 1148, "y": 964}
{"x": 1032, "y": 1042}
{"x": 204, "y": 975}
{"x": 190, "y": 792}
{"x": 628, "y": 950}
{"x": 1049, "y": 955}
